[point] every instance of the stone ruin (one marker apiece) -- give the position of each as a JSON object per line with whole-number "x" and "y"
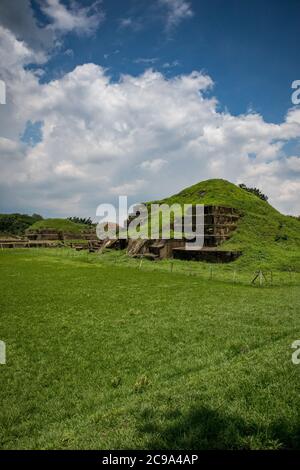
{"x": 49, "y": 238}
{"x": 59, "y": 235}
{"x": 219, "y": 223}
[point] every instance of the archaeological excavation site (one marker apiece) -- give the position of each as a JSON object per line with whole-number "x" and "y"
{"x": 234, "y": 225}
{"x": 218, "y": 224}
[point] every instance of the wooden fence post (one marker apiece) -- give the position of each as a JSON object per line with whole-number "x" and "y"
{"x": 260, "y": 278}
{"x": 260, "y": 275}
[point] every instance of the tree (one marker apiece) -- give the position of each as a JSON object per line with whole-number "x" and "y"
{"x": 81, "y": 220}
{"x": 37, "y": 217}
{"x": 255, "y": 191}
{"x": 16, "y": 224}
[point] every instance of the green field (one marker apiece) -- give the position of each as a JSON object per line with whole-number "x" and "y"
{"x": 102, "y": 354}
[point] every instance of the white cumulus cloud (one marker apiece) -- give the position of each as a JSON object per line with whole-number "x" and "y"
{"x": 75, "y": 18}
{"x": 147, "y": 136}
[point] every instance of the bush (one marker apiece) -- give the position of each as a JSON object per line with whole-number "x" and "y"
{"x": 255, "y": 191}
{"x": 81, "y": 220}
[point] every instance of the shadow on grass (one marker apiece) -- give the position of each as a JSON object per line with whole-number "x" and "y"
{"x": 203, "y": 429}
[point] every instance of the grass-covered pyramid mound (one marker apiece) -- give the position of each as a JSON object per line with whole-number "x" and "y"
{"x": 63, "y": 225}
{"x": 266, "y": 237}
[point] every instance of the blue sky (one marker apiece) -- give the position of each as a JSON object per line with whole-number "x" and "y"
{"x": 249, "y": 48}
{"x": 144, "y": 98}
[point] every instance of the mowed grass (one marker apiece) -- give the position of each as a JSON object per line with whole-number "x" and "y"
{"x": 107, "y": 356}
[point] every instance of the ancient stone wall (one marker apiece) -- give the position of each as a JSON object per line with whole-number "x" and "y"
{"x": 53, "y": 234}
{"x": 219, "y": 223}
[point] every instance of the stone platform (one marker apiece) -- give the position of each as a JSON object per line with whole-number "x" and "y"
{"x": 212, "y": 255}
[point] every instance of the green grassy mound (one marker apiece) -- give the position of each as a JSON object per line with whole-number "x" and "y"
{"x": 64, "y": 225}
{"x": 265, "y": 236}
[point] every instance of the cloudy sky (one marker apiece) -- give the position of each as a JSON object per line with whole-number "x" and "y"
{"x": 145, "y": 97}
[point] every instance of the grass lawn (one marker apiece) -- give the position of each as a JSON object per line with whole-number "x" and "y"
{"x": 102, "y": 355}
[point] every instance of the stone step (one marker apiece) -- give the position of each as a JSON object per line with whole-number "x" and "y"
{"x": 155, "y": 249}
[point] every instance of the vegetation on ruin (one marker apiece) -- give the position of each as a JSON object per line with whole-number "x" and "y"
{"x": 266, "y": 237}
{"x": 19, "y": 224}
{"x": 81, "y": 220}
{"x": 64, "y": 225}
